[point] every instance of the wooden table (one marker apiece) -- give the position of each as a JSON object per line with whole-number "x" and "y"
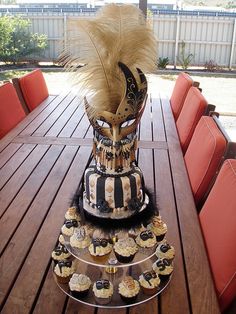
{"x": 42, "y": 162}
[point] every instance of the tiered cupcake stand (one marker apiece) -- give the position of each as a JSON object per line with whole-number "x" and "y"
{"x": 114, "y": 271}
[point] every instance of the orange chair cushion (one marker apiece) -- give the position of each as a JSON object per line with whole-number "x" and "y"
{"x": 11, "y": 112}
{"x": 194, "y": 107}
{"x": 218, "y": 221}
{"x": 182, "y": 85}
{"x": 34, "y": 88}
{"x": 203, "y": 156}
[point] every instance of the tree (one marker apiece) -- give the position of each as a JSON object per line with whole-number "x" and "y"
{"x": 17, "y": 43}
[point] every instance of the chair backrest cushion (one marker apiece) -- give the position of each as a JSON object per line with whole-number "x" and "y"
{"x": 11, "y": 111}
{"x": 182, "y": 85}
{"x": 218, "y": 221}
{"x": 203, "y": 156}
{"x": 194, "y": 107}
{"x": 34, "y": 88}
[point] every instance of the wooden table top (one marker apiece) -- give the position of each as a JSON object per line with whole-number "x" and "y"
{"x": 42, "y": 162}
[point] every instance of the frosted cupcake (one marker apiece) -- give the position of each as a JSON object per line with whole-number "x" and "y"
{"x": 60, "y": 253}
{"x": 64, "y": 270}
{"x": 163, "y": 267}
{"x": 79, "y": 285}
{"x": 164, "y": 250}
{"x": 125, "y": 250}
{"x": 103, "y": 291}
{"x": 128, "y": 289}
{"x": 146, "y": 239}
{"x": 100, "y": 249}
{"x": 72, "y": 213}
{"x": 80, "y": 239}
{"x": 61, "y": 239}
{"x": 158, "y": 227}
{"x": 149, "y": 282}
{"x": 69, "y": 227}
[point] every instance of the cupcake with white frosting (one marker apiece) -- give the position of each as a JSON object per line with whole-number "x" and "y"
{"x": 80, "y": 239}
{"x": 79, "y": 285}
{"x": 125, "y": 250}
{"x": 149, "y": 282}
{"x": 158, "y": 227}
{"x": 146, "y": 239}
{"x": 61, "y": 239}
{"x": 60, "y": 253}
{"x": 72, "y": 213}
{"x": 103, "y": 291}
{"x": 164, "y": 250}
{"x": 128, "y": 289}
{"x": 163, "y": 267}
{"x": 69, "y": 227}
{"x": 64, "y": 270}
{"x": 100, "y": 249}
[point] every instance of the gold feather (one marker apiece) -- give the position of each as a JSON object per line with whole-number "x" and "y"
{"x": 117, "y": 34}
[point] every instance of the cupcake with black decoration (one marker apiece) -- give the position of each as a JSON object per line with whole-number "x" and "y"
{"x": 149, "y": 282}
{"x": 61, "y": 239}
{"x": 158, "y": 227}
{"x": 100, "y": 249}
{"x": 164, "y": 250}
{"x": 64, "y": 270}
{"x": 72, "y": 213}
{"x": 60, "y": 253}
{"x": 146, "y": 239}
{"x": 103, "y": 291}
{"x": 79, "y": 285}
{"x": 128, "y": 289}
{"x": 69, "y": 227}
{"x": 125, "y": 250}
{"x": 80, "y": 239}
{"x": 163, "y": 267}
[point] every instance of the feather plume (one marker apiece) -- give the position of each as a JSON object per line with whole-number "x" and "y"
{"x": 117, "y": 34}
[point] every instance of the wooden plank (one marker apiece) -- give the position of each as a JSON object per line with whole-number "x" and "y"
{"x": 72, "y": 123}
{"x": 74, "y": 307}
{"x": 10, "y": 190}
{"x": 22, "y": 201}
{"x": 39, "y": 114}
{"x": 52, "y": 118}
{"x": 145, "y": 123}
{"x": 157, "y": 120}
{"x": 82, "y": 128}
{"x": 63, "y": 119}
{"x": 197, "y": 267}
{"x": 167, "y": 209}
{"x": 9, "y": 151}
{"x": 24, "y": 123}
{"x": 27, "y": 284}
{"x": 17, "y": 159}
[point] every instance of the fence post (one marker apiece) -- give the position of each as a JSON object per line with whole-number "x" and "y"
{"x": 65, "y": 31}
{"x": 232, "y": 46}
{"x": 176, "y": 39}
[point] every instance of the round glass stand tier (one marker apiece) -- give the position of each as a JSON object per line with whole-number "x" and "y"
{"x": 96, "y": 273}
{"x": 83, "y": 255}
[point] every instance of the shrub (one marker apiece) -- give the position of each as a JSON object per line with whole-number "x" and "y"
{"x": 211, "y": 66}
{"x": 183, "y": 58}
{"x": 17, "y": 42}
{"x": 162, "y": 63}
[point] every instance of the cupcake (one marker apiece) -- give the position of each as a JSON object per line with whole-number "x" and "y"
{"x": 61, "y": 239}
{"x": 72, "y": 213}
{"x": 60, "y": 253}
{"x": 103, "y": 291}
{"x": 80, "y": 239}
{"x": 163, "y": 267}
{"x": 149, "y": 282}
{"x": 100, "y": 249}
{"x": 128, "y": 289}
{"x": 69, "y": 227}
{"x": 79, "y": 285}
{"x": 146, "y": 239}
{"x": 164, "y": 250}
{"x": 125, "y": 250}
{"x": 64, "y": 270}
{"x": 158, "y": 227}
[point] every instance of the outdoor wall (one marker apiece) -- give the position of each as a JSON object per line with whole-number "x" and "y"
{"x": 206, "y": 37}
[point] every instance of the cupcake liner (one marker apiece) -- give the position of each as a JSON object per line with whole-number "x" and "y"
{"x": 79, "y": 294}
{"x": 101, "y": 259}
{"x": 63, "y": 279}
{"x": 164, "y": 277}
{"x": 149, "y": 291}
{"x": 128, "y": 300}
{"x": 160, "y": 237}
{"x": 124, "y": 259}
{"x": 102, "y": 301}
